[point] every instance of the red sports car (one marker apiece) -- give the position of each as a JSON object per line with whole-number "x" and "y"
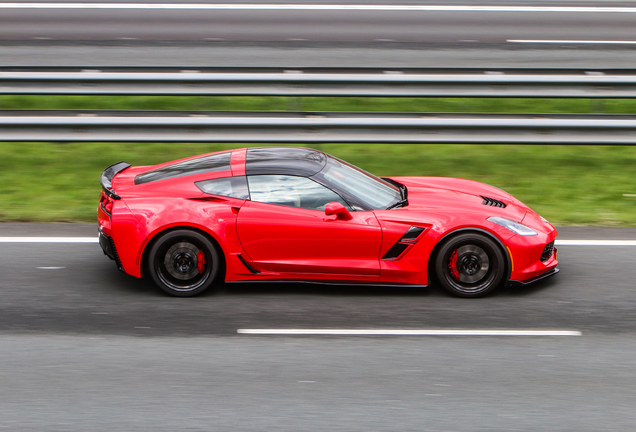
{"x": 298, "y": 214}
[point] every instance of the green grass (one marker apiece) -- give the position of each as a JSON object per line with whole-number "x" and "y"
{"x": 569, "y": 185}
{"x": 188, "y": 103}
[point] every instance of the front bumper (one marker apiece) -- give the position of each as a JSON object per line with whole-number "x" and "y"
{"x": 551, "y": 272}
{"x": 108, "y": 246}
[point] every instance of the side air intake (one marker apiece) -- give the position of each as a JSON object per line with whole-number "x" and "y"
{"x": 493, "y": 202}
{"x": 408, "y": 239}
{"x": 548, "y": 250}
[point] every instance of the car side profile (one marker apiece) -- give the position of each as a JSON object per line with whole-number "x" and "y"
{"x": 298, "y": 214}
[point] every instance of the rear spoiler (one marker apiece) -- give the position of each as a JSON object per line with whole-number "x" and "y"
{"x": 107, "y": 178}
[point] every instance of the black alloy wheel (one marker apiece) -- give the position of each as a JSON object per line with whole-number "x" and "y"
{"x": 470, "y": 265}
{"x": 183, "y": 263}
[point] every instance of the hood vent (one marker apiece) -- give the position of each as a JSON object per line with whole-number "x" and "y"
{"x": 493, "y": 202}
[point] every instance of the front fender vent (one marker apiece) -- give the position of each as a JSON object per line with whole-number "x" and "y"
{"x": 409, "y": 238}
{"x": 493, "y": 202}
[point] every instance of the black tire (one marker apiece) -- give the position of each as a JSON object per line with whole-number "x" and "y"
{"x": 478, "y": 267}
{"x": 176, "y": 266}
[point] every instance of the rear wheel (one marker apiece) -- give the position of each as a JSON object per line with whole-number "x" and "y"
{"x": 183, "y": 263}
{"x": 470, "y": 265}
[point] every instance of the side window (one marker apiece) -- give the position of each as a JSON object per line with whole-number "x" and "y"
{"x": 235, "y": 187}
{"x": 291, "y": 191}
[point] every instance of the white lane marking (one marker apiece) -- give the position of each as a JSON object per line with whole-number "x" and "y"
{"x": 96, "y": 240}
{"x": 595, "y": 243}
{"x": 540, "y": 41}
{"x": 391, "y": 332}
{"x": 49, "y": 240}
{"x": 315, "y": 7}
{"x": 50, "y": 268}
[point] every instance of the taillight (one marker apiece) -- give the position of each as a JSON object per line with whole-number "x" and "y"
{"x": 106, "y": 203}
{"x": 108, "y": 206}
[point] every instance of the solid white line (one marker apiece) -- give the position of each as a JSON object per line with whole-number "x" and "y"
{"x": 315, "y": 7}
{"x": 379, "y": 332}
{"x": 595, "y": 243}
{"x": 49, "y": 240}
{"x": 96, "y": 240}
{"x": 537, "y": 41}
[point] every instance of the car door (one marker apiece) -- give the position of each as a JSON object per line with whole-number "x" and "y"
{"x": 284, "y": 228}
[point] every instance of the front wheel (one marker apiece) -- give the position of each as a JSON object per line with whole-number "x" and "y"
{"x": 183, "y": 263}
{"x": 470, "y": 265}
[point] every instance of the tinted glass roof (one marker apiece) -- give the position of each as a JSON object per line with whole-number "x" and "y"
{"x": 284, "y": 160}
{"x": 210, "y": 163}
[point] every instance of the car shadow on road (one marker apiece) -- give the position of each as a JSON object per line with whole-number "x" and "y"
{"x": 120, "y": 283}
{"x": 297, "y": 288}
{"x": 529, "y": 290}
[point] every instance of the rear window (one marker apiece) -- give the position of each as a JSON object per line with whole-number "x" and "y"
{"x": 205, "y": 164}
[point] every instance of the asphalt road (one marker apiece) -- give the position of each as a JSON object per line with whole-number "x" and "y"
{"x": 305, "y": 38}
{"x": 85, "y": 347}
{"x": 331, "y": 26}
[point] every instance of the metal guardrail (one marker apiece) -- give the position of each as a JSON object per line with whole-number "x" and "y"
{"x": 325, "y": 82}
{"x": 316, "y": 128}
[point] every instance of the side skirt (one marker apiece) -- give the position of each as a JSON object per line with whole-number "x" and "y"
{"x": 291, "y": 281}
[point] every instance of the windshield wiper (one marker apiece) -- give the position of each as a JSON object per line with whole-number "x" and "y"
{"x": 398, "y": 204}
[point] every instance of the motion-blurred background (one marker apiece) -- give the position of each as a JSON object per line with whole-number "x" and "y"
{"x": 84, "y": 347}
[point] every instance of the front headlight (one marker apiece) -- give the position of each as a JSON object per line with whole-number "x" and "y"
{"x": 513, "y": 226}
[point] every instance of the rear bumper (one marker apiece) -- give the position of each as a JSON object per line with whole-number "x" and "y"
{"x": 108, "y": 246}
{"x": 551, "y": 272}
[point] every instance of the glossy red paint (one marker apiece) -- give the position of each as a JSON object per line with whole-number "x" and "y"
{"x": 288, "y": 243}
{"x": 296, "y": 240}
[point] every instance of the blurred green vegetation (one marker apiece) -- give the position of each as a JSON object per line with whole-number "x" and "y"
{"x": 569, "y": 185}
{"x": 195, "y": 103}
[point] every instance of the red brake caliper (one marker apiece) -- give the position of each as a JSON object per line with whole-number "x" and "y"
{"x": 452, "y": 265}
{"x": 201, "y": 261}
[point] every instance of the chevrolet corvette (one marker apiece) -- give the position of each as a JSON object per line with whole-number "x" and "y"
{"x": 298, "y": 214}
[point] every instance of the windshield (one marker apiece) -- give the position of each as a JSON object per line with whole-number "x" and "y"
{"x": 367, "y": 191}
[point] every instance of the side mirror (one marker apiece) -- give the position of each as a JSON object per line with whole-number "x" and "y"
{"x": 341, "y": 212}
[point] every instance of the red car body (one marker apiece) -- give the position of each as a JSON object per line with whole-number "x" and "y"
{"x": 262, "y": 241}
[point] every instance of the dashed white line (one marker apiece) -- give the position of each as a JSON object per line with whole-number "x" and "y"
{"x": 316, "y": 7}
{"x": 50, "y": 268}
{"x": 398, "y": 332}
